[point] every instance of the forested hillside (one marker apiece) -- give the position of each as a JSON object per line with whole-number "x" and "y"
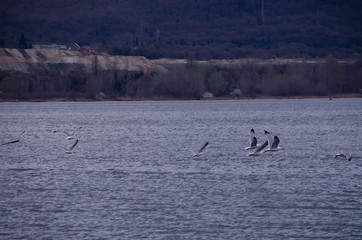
{"x": 199, "y": 29}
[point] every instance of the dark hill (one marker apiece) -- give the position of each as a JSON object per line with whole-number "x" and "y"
{"x": 197, "y": 29}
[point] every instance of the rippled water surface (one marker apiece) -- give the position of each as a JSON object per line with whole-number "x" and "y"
{"x": 132, "y": 174}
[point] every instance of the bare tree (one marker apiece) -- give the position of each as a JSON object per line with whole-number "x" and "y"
{"x": 262, "y": 11}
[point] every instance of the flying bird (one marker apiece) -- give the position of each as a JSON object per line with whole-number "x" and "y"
{"x": 200, "y": 152}
{"x": 69, "y": 136}
{"x": 259, "y": 151}
{"x": 347, "y": 156}
{"x": 273, "y": 142}
{"x": 71, "y": 148}
{"x": 253, "y": 140}
{"x": 13, "y": 141}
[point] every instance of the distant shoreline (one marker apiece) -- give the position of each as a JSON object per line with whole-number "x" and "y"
{"x": 49, "y": 75}
{"x": 127, "y": 99}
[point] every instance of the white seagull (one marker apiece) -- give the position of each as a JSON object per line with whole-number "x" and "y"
{"x": 348, "y": 156}
{"x": 13, "y": 141}
{"x": 200, "y": 152}
{"x": 71, "y": 148}
{"x": 253, "y": 140}
{"x": 273, "y": 142}
{"x": 259, "y": 151}
{"x": 70, "y": 136}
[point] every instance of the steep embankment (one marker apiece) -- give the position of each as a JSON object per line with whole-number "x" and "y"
{"x": 28, "y": 60}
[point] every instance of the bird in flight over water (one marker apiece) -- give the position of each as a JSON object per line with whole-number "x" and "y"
{"x": 259, "y": 151}
{"x": 253, "y": 140}
{"x": 200, "y": 152}
{"x": 273, "y": 142}
{"x": 17, "y": 139}
{"x": 347, "y": 156}
{"x": 71, "y": 148}
{"x": 70, "y": 136}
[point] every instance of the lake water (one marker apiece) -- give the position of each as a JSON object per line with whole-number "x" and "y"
{"x": 132, "y": 174}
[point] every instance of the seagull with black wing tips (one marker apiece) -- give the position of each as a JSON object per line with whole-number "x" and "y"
{"x": 17, "y": 139}
{"x": 259, "y": 151}
{"x": 72, "y": 147}
{"x": 200, "y": 152}
{"x": 253, "y": 140}
{"x": 347, "y": 156}
{"x": 273, "y": 142}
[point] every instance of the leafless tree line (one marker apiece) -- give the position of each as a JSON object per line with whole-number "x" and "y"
{"x": 188, "y": 81}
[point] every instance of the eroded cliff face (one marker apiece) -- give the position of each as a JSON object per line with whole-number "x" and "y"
{"x": 28, "y": 60}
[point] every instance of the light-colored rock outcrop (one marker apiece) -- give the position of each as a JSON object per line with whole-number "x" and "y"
{"x": 24, "y": 60}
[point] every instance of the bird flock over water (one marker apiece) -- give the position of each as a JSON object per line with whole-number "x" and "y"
{"x": 69, "y": 136}
{"x": 272, "y": 142}
{"x": 254, "y": 149}
{"x": 270, "y": 145}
